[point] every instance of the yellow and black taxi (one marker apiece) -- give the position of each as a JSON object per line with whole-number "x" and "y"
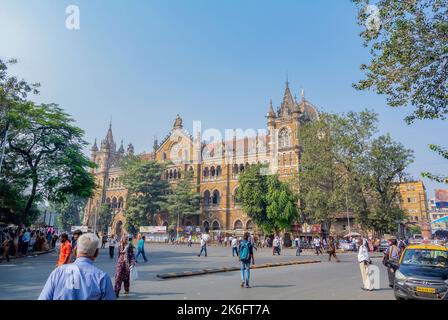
{"x": 422, "y": 273}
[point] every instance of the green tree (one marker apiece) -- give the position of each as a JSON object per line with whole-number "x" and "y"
{"x": 69, "y": 211}
{"x": 182, "y": 200}
{"x": 146, "y": 188}
{"x": 385, "y": 166}
{"x": 409, "y": 54}
{"x": 46, "y": 150}
{"x": 269, "y": 202}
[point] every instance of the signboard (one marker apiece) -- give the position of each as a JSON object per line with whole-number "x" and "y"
{"x": 316, "y": 228}
{"x": 296, "y": 228}
{"x": 83, "y": 229}
{"x": 153, "y": 229}
{"x": 442, "y": 198}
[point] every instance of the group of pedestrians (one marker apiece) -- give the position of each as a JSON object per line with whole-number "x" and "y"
{"x": 24, "y": 241}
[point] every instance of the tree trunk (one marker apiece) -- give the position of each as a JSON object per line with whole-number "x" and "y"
{"x": 32, "y": 196}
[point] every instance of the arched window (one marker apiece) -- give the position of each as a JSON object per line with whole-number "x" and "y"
{"x": 218, "y": 171}
{"x": 238, "y": 225}
{"x": 212, "y": 172}
{"x": 108, "y": 202}
{"x": 206, "y": 198}
{"x": 114, "y": 203}
{"x": 120, "y": 202}
{"x": 241, "y": 168}
{"x": 290, "y": 159}
{"x": 284, "y": 159}
{"x": 179, "y": 175}
{"x": 108, "y": 182}
{"x": 191, "y": 170}
{"x": 206, "y": 225}
{"x": 216, "y": 225}
{"x": 249, "y": 225}
{"x": 235, "y": 196}
{"x": 206, "y": 172}
{"x": 235, "y": 169}
{"x": 171, "y": 174}
{"x": 175, "y": 174}
{"x": 164, "y": 156}
{"x": 284, "y": 138}
{"x": 216, "y": 197}
{"x": 166, "y": 175}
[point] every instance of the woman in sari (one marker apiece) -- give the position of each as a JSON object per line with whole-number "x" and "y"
{"x": 126, "y": 259}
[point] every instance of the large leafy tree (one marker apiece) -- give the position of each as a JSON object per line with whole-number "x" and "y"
{"x": 146, "y": 189}
{"x": 269, "y": 202}
{"x": 385, "y": 168}
{"x": 183, "y": 199}
{"x": 46, "y": 148}
{"x": 409, "y": 50}
{"x": 69, "y": 211}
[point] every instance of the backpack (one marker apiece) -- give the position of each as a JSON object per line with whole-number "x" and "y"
{"x": 244, "y": 251}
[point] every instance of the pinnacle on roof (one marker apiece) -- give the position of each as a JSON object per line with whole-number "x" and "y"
{"x": 271, "y": 112}
{"x": 94, "y": 147}
{"x": 178, "y": 123}
{"x": 288, "y": 100}
{"x": 121, "y": 149}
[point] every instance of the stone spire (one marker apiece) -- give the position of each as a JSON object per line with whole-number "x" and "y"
{"x": 288, "y": 102}
{"x": 178, "y": 123}
{"x": 108, "y": 141}
{"x": 130, "y": 150}
{"x": 271, "y": 112}
{"x": 94, "y": 147}
{"x": 155, "y": 146}
{"x": 121, "y": 149}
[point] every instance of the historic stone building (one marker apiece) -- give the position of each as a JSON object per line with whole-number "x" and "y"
{"x": 215, "y": 165}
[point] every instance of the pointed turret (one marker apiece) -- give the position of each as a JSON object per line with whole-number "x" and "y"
{"x": 271, "y": 112}
{"x": 108, "y": 142}
{"x": 130, "y": 150}
{"x": 121, "y": 149}
{"x": 288, "y": 102}
{"x": 178, "y": 123}
{"x": 155, "y": 145}
{"x": 94, "y": 147}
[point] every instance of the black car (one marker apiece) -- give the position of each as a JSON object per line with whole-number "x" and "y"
{"x": 422, "y": 273}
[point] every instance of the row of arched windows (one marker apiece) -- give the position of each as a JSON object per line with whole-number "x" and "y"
{"x": 214, "y": 198}
{"x": 114, "y": 182}
{"x": 212, "y": 172}
{"x": 115, "y": 203}
{"x": 174, "y": 174}
{"x": 238, "y": 225}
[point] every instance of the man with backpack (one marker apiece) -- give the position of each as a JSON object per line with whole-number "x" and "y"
{"x": 246, "y": 256}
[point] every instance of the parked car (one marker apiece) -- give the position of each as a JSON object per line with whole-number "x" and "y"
{"x": 422, "y": 273}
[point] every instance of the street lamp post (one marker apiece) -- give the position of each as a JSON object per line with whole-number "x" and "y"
{"x": 348, "y": 215}
{"x": 177, "y": 227}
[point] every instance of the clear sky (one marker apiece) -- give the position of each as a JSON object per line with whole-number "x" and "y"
{"x": 141, "y": 62}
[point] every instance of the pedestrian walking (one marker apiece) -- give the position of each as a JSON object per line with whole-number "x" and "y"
{"x": 6, "y": 246}
{"x": 104, "y": 241}
{"x": 317, "y": 245}
{"x": 65, "y": 251}
{"x": 112, "y": 244}
{"x": 298, "y": 245}
{"x": 80, "y": 280}
{"x": 126, "y": 259}
{"x": 190, "y": 240}
{"x": 141, "y": 249}
{"x": 392, "y": 256}
{"x": 204, "y": 239}
{"x": 234, "y": 245}
{"x": 276, "y": 246}
{"x": 246, "y": 257}
{"x": 332, "y": 250}
{"x": 26, "y": 238}
{"x": 364, "y": 261}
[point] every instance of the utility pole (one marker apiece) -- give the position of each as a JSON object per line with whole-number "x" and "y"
{"x": 4, "y": 147}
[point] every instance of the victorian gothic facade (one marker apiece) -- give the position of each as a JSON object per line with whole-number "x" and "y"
{"x": 215, "y": 166}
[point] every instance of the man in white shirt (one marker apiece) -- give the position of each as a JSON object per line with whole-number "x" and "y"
{"x": 364, "y": 261}
{"x": 204, "y": 238}
{"x": 317, "y": 246}
{"x": 276, "y": 246}
{"x": 111, "y": 243}
{"x": 234, "y": 245}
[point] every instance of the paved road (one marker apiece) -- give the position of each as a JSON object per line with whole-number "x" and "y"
{"x": 24, "y": 278}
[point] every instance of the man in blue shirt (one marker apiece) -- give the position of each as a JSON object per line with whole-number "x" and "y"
{"x": 26, "y": 241}
{"x": 141, "y": 249}
{"x": 80, "y": 280}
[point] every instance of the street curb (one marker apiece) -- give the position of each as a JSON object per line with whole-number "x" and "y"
{"x": 172, "y": 275}
{"x": 32, "y": 255}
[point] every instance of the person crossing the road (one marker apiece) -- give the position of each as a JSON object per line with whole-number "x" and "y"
{"x": 234, "y": 245}
{"x": 246, "y": 257}
{"x": 332, "y": 250}
{"x": 141, "y": 249}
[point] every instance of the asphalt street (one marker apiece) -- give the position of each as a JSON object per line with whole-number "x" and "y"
{"x": 24, "y": 278}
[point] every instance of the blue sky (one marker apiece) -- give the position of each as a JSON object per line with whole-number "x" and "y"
{"x": 142, "y": 62}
